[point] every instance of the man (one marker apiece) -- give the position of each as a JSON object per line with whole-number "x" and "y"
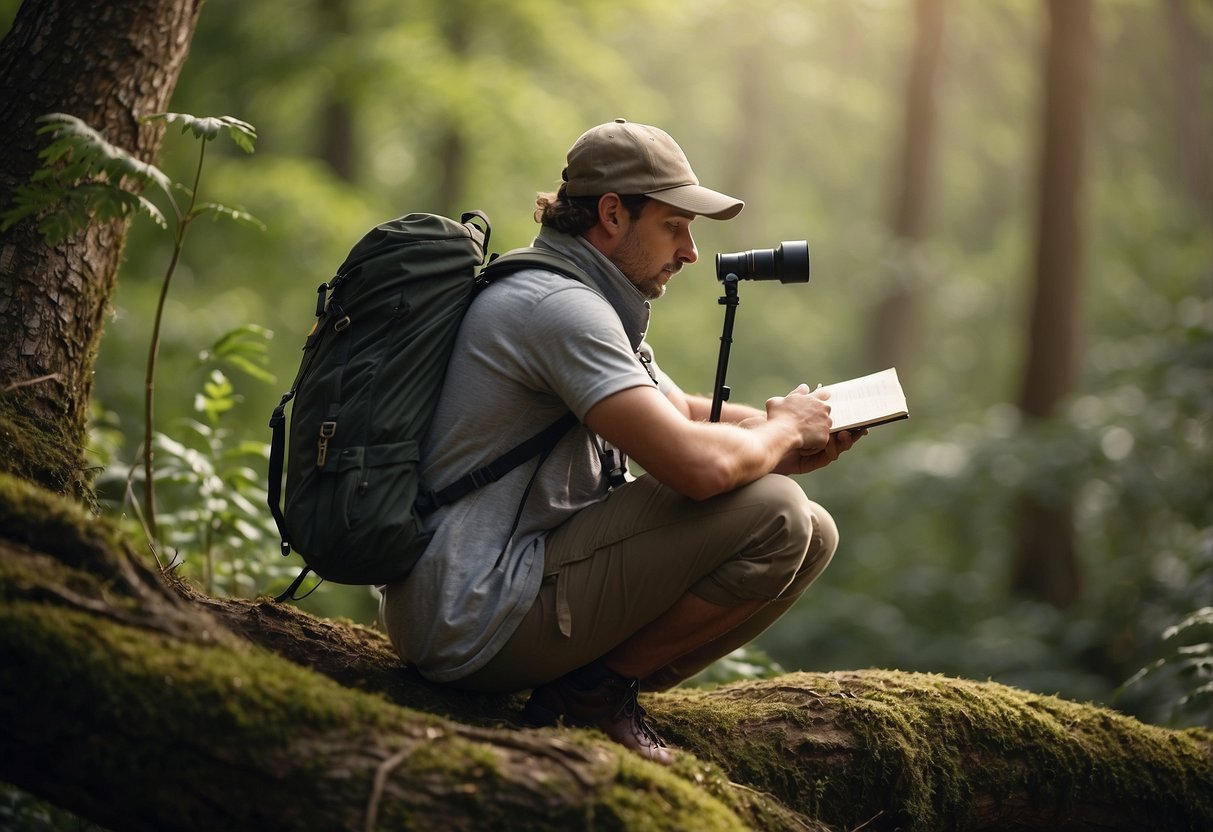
{"x": 562, "y": 577}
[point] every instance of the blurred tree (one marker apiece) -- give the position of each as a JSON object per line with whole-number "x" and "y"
{"x": 455, "y": 24}
{"x": 52, "y": 298}
{"x": 337, "y": 121}
{"x": 1046, "y": 562}
{"x": 893, "y": 338}
{"x": 1189, "y": 53}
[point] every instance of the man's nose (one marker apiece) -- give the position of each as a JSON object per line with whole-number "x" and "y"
{"x": 687, "y": 252}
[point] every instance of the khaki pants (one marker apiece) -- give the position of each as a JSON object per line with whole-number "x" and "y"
{"x": 619, "y": 564}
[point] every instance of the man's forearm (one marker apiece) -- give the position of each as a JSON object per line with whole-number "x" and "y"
{"x": 701, "y": 409}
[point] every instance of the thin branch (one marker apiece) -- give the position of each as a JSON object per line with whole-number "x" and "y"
{"x": 183, "y": 222}
{"x": 128, "y": 497}
{"x": 32, "y": 381}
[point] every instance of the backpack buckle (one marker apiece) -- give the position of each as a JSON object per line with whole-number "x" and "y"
{"x": 327, "y": 431}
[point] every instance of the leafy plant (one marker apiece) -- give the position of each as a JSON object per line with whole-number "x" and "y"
{"x": 222, "y": 506}
{"x": 84, "y": 178}
{"x": 1191, "y": 665}
{"x": 211, "y": 482}
{"x": 748, "y": 662}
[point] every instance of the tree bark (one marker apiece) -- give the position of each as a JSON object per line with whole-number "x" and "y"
{"x": 1046, "y": 562}
{"x": 53, "y": 299}
{"x": 139, "y": 704}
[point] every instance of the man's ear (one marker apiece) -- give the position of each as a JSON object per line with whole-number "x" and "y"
{"x": 611, "y": 214}
{"x": 605, "y": 234}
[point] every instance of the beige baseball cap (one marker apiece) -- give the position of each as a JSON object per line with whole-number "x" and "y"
{"x": 627, "y": 158}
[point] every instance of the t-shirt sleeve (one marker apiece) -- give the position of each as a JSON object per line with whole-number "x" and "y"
{"x": 578, "y": 349}
{"x": 665, "y": 384}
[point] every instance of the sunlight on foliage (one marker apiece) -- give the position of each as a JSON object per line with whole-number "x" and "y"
{"x": 209, "y": 127}
{"x": 748, "y": 662}
{"x": 798, "y": 106}
{"x": 210, "y": 481}
{"x": 83, "y": 178}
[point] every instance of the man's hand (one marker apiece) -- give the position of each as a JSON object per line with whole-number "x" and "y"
{"x": 699, "y": 459}
{"x": 808, "y": 411}
{"x": 819, "y": 447}
{"x": 802, "y": 460}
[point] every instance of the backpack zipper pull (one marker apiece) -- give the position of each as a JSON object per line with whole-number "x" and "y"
{"x": 327, "y": 430}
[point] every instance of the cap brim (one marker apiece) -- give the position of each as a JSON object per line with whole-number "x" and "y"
{"x": 700, "y": 200}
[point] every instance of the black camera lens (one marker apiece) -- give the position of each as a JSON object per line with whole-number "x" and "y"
{"x": 788, "y": 262}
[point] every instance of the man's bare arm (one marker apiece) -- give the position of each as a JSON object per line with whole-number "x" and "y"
{"x": 699, "y": 408}
{"x": 700, "y": 459}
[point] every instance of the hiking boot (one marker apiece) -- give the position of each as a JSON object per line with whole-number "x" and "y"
{"x": 609, "y": 705}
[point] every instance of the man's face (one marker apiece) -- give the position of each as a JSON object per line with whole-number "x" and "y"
{"x": 654, "y": 246}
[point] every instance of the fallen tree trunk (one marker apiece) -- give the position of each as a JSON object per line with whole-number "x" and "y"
{"x": 138, "y": 704}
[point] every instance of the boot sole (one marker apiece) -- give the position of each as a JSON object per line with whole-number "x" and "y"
{"x": 538, "y": 716}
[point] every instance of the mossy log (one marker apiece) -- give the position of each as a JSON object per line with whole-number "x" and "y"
{"x": 137, "y": 703}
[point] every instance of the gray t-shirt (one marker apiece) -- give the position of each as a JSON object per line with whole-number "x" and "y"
{"x": 533, "y": 346}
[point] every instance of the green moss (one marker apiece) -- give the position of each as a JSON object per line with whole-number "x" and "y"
{"x": 42, "y": 520}
{"x": 927, "y": 750}
{"x": 47, "y": 452}
{"x": 179, "y": 706}
{"x": 921, "y": 750}
{"x": 949, "y": 739}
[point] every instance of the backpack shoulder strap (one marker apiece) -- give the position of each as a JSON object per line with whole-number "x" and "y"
{"x": 531, "y": 257}
{"x": 542, "y": 443}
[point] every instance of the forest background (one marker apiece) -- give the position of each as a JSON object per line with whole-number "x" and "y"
{"x": 365, "y": 112}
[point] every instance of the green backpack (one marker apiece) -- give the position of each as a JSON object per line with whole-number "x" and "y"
{"x": 366, "y": 390}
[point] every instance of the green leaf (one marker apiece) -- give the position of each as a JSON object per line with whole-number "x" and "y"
{"x": 252, "y": 369}
{"x": 1203, "y": 616}
{"x": 208, "y": 127}
{"x": 83, "y": 178}
{"x": 171, "y": 446}
{"x": 243, "y": 348}
{"x": 216, "y": 210}
{"x": 237, "y": 340}
{"x": 28, "y": 201}
{"x": 249, "y": 447}
{"x": 86, "y": 152}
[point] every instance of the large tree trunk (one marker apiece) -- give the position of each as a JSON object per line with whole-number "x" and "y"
{"x": 52, "y": 300}
{"x": 1046, "y": 561}
{"x": 140, "y": 705}
{"x": 895, "y": 323}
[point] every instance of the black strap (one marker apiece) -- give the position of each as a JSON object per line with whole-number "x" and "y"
{"x": 541, "y": 443}
{"x": 532, "y": 257}
{"x": 468, "y": 216}
{"x": 273, "y": 496}
{"x": 289, "y": 593}
{"x": 526, "y": 492}
{"x": 277, "y": 457}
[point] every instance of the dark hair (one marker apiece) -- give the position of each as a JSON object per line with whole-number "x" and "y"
{"x": 576, "y": 215}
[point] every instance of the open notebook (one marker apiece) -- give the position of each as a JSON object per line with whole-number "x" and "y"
{"x": 867, "y": 401}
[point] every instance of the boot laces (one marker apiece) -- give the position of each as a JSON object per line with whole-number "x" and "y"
{"x": 630, "y": 709}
